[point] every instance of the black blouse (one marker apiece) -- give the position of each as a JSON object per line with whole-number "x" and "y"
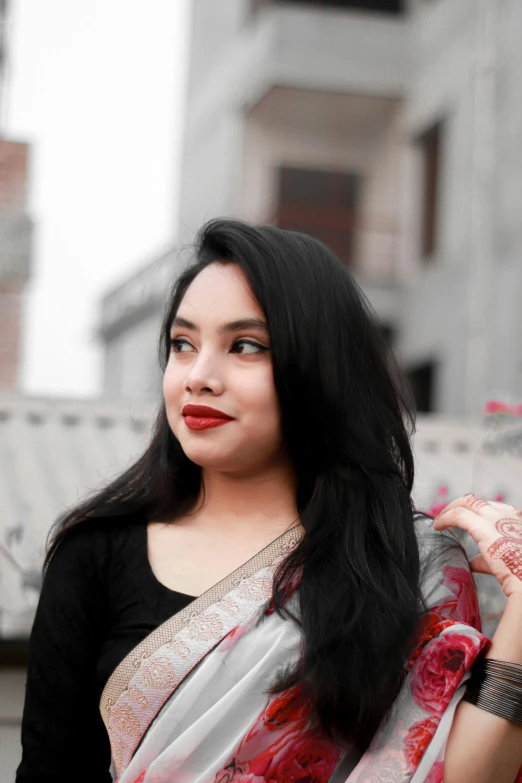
{"x": 99, "y": 599}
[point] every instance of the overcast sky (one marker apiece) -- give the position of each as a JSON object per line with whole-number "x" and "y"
{"x": 97, "y": 87}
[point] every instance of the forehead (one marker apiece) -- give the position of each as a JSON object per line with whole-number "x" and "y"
{"x": 221, "y": 292}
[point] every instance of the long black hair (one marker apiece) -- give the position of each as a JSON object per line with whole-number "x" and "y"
{"x": 346, "y": 427}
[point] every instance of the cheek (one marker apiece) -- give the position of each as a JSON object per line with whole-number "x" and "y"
{"x": 172, "y": 385}
{"x": 260, "y": 402}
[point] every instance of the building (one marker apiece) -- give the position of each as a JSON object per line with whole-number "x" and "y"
{"x": 389, "y": 129}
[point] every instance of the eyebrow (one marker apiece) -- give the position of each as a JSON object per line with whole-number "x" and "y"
{"x": 242, "y": 324}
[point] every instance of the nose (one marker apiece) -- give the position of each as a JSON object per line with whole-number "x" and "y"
{"x": 204, "y": 376}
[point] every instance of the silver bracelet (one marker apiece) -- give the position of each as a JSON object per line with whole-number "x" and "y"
{"x": 496, "y": 686}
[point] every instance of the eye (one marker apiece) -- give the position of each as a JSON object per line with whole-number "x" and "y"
{"x": 247, "y": 346}
{"x": 180, "y": 345}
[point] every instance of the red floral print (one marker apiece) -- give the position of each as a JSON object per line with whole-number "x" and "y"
{"x": 307, "y": 757}
{"x": 270, "y": 608}
{"x": 234, "y": 775}
{"x": 464, "y": 607}
{"x": 439, "y": 669}
{"x": 417, "y": 740}
{"x": 436, "y": 773}
{"x": 288, "y": 591}
{"x": 432, "y": 625}
{"x": 285, "y": 711}
{"x": 236, "y": 633}
{"x": 280, "y": 747}
{"x": 287, "y": 708}
{"x": 233, "y": 636}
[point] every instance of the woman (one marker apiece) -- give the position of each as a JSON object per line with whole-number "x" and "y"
{"x": 255, "y": 599}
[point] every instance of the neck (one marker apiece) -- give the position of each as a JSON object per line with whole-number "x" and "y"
{"x": 263, "y": 502}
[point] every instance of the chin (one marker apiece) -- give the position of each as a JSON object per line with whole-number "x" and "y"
{"x": 224, "y": 461}
{"x": 204, "y": 455}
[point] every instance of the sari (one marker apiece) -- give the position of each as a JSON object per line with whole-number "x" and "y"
{"x": 189, "y": 704}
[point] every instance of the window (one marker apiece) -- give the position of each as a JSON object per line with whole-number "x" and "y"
{"x": 320, "y": 203}
{"x": 430, "y": 144}
{"x": 421, "y": 382}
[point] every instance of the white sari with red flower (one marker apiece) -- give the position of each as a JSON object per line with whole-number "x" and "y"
{"x": 190, "y": 703}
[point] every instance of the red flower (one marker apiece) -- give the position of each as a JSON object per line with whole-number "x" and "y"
{"x": 464, "y": 607}
{"x": 493, "y": 406}
{"x": 286, "y": 715}
{"x": 439, "y": 669}
{"x": 305, "y": 758}
{"x": 417, "y": 740}
{"x": 437, "y": 508}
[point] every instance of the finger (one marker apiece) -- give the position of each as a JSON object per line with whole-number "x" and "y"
{"x": 460, "y": 517}
{"x": 479, "y": 565}
{"x": 505, "y": 509}
{"x": 470, "y": 501}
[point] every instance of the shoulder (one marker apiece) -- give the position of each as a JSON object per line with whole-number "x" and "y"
{"x": 85, "y": 563}
{"x": 83, "y": 542}
{"x": 446, "y": 579}
{"x": 437, "y": 546}
{"x": 86, "y": 550}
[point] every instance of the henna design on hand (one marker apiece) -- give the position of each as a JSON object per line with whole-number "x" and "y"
{"x": 510, "y": 528}
{"x": 508, "y": 547}
{"x": 475, "y": 502}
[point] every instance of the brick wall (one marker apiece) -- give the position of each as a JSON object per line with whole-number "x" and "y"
{"x": 10, "y": 321}
{"x": 13, "y": 174}
{"x": 15, "y": 245}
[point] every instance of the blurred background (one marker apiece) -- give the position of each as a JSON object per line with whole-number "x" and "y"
{"x": 390, "y": 129}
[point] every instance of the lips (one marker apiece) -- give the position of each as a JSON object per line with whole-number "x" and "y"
{"x": 202, "y": 417}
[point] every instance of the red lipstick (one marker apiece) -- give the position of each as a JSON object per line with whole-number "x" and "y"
{"x": 201, "y": 417}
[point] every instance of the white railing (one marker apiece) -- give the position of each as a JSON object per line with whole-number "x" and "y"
{"x": 83, "y": 444}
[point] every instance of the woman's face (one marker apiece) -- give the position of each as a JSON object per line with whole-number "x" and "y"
{"x": 220, "y": 358}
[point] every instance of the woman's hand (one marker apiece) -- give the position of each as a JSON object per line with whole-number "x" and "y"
{"x": 497, "y": 529}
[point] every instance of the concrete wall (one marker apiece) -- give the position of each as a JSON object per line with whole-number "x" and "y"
{"x": 456, "y": 60}
{"x": 463, "y": 305}
{"x": 434, "y": 324}
{"x": 312, "y": 48}
{"x": 131, "y": 362}
{"x": 506, "y": 359}
{"x": 330, "y": 131}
